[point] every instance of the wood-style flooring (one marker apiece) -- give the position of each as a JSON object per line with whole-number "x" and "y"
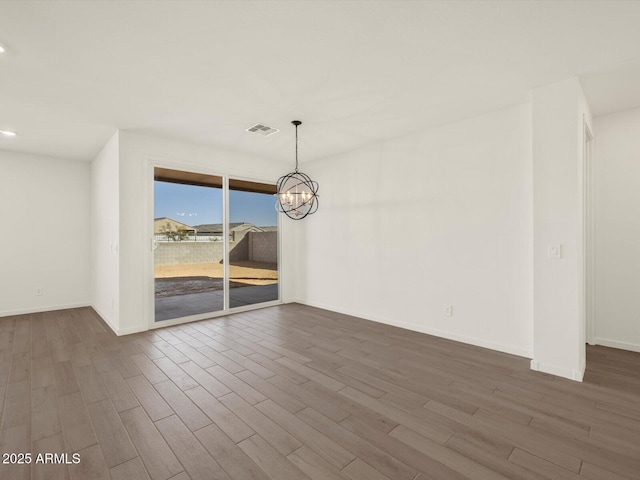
{"x": 294, "y": 392}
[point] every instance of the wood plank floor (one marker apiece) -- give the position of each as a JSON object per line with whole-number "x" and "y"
{"x": 294, "y": 392}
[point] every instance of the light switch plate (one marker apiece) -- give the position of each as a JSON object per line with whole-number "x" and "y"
{"x": 555, "y": 252}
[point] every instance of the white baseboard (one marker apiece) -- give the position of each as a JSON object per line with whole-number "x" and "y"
{"x": 50, "y": 308}
{"x": 576, "y": 375}
{"x": 119, "y": 331}
{"x": 632, "y": 347}
{"x": 105, "y": 319}
{"x": 478, "y": 342}
{"x": 130, "y": 330}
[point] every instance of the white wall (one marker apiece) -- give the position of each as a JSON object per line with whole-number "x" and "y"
{"x": 559, "y": 342}
{"x": 411, "y": 225}
{"x": 584, "y": 122}
{"x": 44, "y": 207}
{"x": 137, "y": 152}
{"x": 617, "y": 224}
{"x": 105, "y": 227}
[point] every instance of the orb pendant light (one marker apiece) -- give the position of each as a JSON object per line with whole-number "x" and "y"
{"x": 297, "y": 194}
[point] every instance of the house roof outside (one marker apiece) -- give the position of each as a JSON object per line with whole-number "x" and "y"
{"x": 208, "y": 229}
{"x": 216, "y": 228}
{"x": 160, "y": 223}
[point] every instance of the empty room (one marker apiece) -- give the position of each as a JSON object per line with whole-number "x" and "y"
{"x": 326, "y": 240}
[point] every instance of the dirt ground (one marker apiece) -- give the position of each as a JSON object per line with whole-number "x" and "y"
{"x": 248, "y": 273}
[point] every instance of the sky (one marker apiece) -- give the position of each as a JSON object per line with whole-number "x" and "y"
{"x": 195, "y": 205}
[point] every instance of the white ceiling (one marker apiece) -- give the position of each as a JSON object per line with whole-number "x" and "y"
{"x": 353, "y": 72}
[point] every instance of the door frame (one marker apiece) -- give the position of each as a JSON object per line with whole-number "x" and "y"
{"x": 149, "y": 237}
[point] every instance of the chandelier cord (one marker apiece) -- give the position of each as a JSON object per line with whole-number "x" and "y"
{"x": 296, "y": 148}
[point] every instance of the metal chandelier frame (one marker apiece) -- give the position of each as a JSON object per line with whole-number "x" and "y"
{"x": 297, "y": 194}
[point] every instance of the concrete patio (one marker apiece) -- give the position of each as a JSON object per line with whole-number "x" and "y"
{"x": 179, "y": 306}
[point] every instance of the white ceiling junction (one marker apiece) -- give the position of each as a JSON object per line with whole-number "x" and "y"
{"x": 354, "y": 72}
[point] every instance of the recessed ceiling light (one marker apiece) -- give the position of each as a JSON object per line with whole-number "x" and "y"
{"x": 2, "y": 49}
{"x": 8, "y": 133}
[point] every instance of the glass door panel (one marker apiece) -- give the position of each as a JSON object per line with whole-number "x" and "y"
{"x": 188, "y": 244}
{"x": 253, "y": 243}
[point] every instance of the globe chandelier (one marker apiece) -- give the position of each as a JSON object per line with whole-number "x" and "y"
{"x": 297, "y": 194}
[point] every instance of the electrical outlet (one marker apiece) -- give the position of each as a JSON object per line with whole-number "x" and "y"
{"x": 38, "y": 291}
{"x": 448, "y": 310}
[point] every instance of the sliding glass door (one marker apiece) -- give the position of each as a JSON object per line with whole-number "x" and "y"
{"x": 188, "y": 242}
{"x": 190, "y": 251}
{"x": 253, "y": 243}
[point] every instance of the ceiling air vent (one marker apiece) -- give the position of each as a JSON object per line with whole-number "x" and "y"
{"x": 263, "y": 130}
